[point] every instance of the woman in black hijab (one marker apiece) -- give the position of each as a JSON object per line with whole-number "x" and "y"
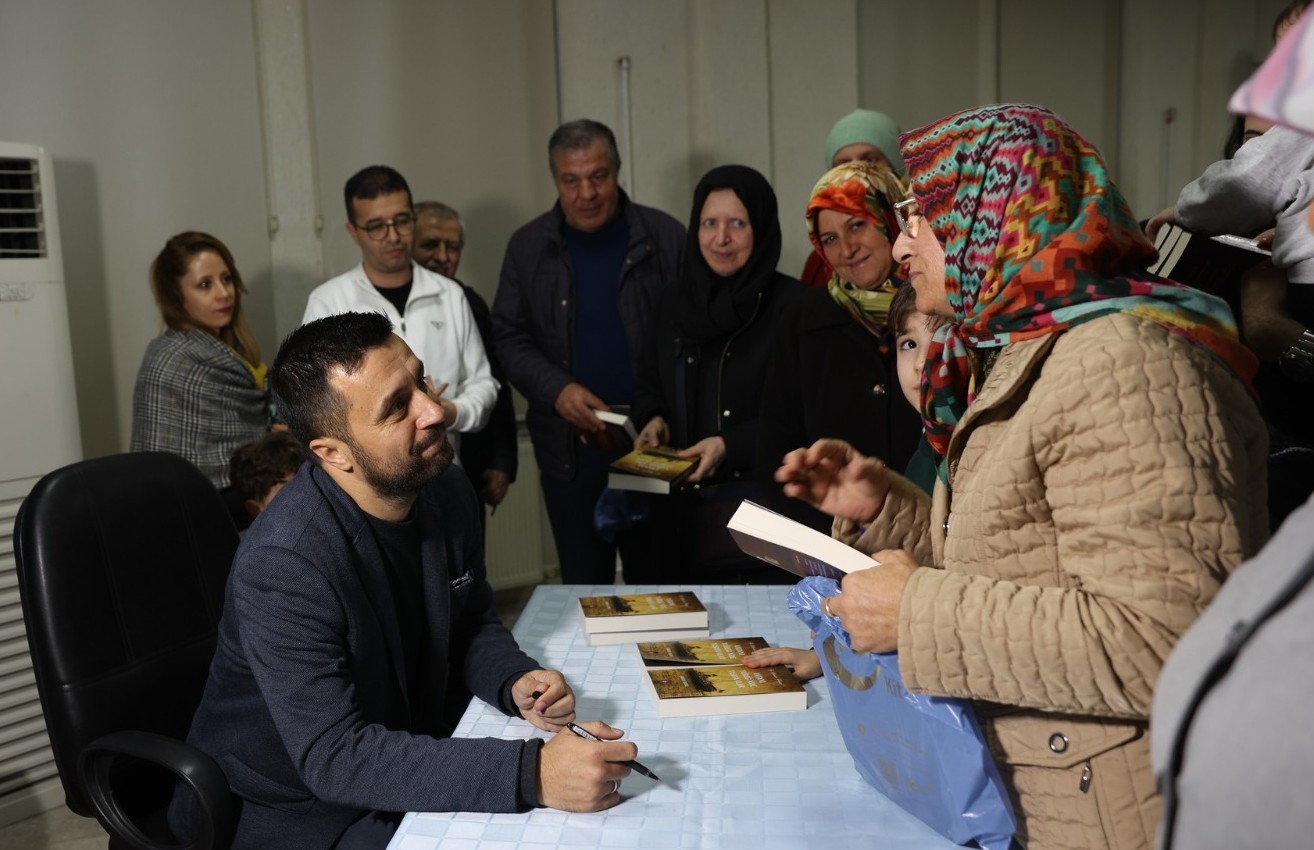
{"x": 701, "y": 375}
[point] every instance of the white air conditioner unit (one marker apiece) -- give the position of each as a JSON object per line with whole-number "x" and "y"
{"x": 38, "y": 432}
{"x": 39, "y": 412}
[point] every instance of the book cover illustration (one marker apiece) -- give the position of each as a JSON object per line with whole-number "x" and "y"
{"x": 726, "y": 689}
{"x": 655, "y": 462}
{"x": 730, "y": 680}
{"x": 692, "y": 653}
{"x": 640, "y": 604}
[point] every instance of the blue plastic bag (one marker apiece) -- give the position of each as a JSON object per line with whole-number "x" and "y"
{"x": 924, "y": 753}
{"x": 620, "y": 510}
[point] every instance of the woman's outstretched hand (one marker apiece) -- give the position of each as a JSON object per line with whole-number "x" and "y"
{"x": 833, "y": 477}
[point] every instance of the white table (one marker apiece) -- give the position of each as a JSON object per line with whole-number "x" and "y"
{"x": 773, "y": 781}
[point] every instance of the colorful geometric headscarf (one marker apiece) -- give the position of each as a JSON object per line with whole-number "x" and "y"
{"x": 1037, "y": 239}
{"x": 867, "y": 191}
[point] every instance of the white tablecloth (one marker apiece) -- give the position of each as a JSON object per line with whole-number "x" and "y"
{"x": 774, "y": 781}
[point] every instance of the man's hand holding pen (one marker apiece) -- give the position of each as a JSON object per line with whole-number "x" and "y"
{"x": 583, "y": 774}
{"x": 543, "y": 698}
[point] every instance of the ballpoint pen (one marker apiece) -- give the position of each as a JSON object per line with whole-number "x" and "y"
{"x": 632, "y": 764}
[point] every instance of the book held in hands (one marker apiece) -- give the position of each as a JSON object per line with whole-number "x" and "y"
{"x": 618, "y": 436}
{"x": 638, "y": 617}
{"x": 651, "y": 470}
{"x": 792, "y": 546}
{"x": 725, "y": 689}
{"x": 700, "y": 652}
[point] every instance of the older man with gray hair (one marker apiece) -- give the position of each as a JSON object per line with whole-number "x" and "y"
{"x": 578, "y": 286}
{"x": 490, "y": 456}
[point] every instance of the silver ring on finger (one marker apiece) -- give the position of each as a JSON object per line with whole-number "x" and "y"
{"x": 615, "y": 786}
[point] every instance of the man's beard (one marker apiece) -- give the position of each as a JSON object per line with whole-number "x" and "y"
{"x": 405, "y": 479}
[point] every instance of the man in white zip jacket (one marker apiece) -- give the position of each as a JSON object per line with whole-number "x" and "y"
{"x": 427, "y": 310}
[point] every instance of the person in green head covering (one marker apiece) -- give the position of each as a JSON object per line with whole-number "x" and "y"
{"x": 863, "y": 135}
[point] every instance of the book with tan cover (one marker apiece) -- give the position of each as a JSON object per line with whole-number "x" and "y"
{"x": 640, "y": 612}
{"x": 651, "y": 470}
{"x": 700, "y": 652}
{"x": 726, "y": 689}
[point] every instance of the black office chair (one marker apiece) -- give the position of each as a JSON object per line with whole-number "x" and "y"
{"x": 122, "y": 562}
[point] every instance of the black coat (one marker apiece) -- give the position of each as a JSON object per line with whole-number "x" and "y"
{"x": 829, "y": 379}
{"x": 493, "y": 447}
{"x": 534, "y": 315}
{"x": 676, "y": 374}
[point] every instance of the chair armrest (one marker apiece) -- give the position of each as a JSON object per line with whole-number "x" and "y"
{"x": 195, "y": 769}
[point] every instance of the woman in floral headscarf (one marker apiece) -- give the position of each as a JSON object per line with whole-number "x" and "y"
{"x": 1102, "y": 472}
{"x": 832, "y": 372}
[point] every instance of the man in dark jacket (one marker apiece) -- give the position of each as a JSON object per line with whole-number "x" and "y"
{"x": 357, "y": 621}
{"x": 578, "y": 288}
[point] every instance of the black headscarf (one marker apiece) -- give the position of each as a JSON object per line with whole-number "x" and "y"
{"x": 710, "y": 305}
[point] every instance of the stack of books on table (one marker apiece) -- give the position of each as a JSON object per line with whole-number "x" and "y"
{"x": 697, "y": 677}
{"x": 640, "y": 617}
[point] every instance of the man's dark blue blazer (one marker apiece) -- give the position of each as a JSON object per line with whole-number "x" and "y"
{"x": 307, "y": 708}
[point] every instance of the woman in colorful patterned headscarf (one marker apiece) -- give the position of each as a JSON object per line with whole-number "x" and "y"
{"x": 1103, "y": 471}
{"x": 1036, "y": 239}
{"x": 851, "y": 224}
{"x": 833, "y": 371}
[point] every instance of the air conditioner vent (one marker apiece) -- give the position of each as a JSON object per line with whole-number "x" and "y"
{"x": 22, "y": 234}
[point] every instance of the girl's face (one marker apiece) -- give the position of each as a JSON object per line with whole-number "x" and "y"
{"x": 209, "y": 294}
{"x": 910, "y": 355}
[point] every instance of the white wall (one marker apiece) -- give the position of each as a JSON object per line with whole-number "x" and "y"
{"x": 148, "y": 109}
{"x": 152, "y": 111}
{"x": 458, "y": 97}
{"x": 756, "y": 82}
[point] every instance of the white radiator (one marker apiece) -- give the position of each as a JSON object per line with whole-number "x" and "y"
{"x": 519, "y": 548}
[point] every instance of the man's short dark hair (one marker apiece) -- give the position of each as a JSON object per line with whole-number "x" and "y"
{"x": 371, "y": 182}
{"x": 299, "y": 380}
{"x": 256, "y": 467}
{"x": 579, "y": 134}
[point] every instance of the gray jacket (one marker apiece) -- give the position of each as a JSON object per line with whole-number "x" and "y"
{"x": 534, "y": 314}
{"x": 1270, "y": 179}
{"x": 1229, "y": 732}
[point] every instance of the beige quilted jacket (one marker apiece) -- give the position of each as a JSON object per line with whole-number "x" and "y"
{"x": 1104, "y": 483}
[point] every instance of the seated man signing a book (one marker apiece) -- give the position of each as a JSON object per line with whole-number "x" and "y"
{"x": 701, "y": 375}
{"x": 358, "y": 621}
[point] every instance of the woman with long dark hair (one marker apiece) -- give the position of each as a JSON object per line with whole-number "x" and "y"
{"x": 200, "y": 391}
